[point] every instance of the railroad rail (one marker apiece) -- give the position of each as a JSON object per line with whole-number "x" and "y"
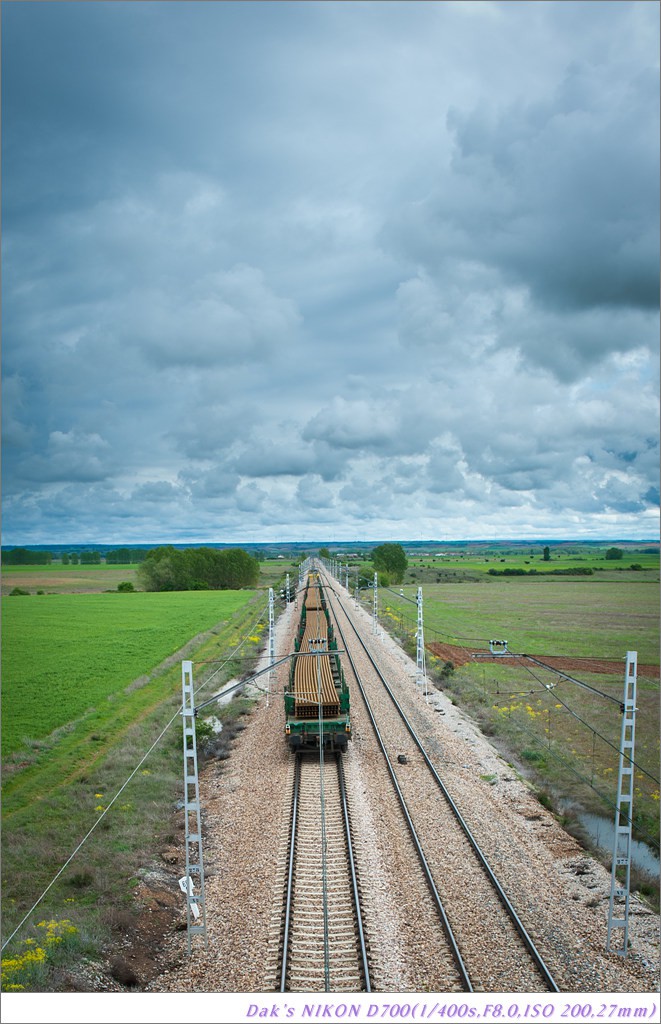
{"x": 322, "y": 947}
{"x": 478, "y": 915}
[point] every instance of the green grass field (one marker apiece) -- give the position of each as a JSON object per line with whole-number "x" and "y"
{"x": 117, "y": 751}
{"x": 589, "y": 617}
{"x": 63, "y": 654}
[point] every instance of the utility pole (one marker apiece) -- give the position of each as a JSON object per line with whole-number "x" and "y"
{"x": 421, "y": 671}
{"x": 375, "y": 612}
{"x": 194, "y": 860}
{"x": 624, "y": 810}
{"x": 271, "y": 642}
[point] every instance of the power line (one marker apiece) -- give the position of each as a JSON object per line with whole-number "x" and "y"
{"x": 595, "y": 732}
{"x": 586, "y": 686}
{"x": 650, "y": 839}
{"x": 80, "y": 845}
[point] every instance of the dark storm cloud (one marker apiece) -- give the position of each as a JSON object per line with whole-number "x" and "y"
{"x": 560, "y": 197}
{"x": 371, "y": 266}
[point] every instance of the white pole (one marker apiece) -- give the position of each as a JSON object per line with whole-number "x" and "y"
{"x": 624, "y": 810}
{"x": 271, "y": 642}
{"x": 375, "y": 613}
{"x": 421, "y": 676}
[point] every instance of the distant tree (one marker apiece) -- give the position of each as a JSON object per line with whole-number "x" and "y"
{"x": 324, "y": 553}
{"x": 614, "y": 553}
{"x": 90, "y": 558}
{"x": 65, "y": 558}
{"x": 547, "y": 554}
{"x": 73, "y": 557}
{"x": 391, "y": 559}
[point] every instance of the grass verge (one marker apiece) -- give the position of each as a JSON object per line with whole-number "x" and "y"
{"x": 72, "y": 794}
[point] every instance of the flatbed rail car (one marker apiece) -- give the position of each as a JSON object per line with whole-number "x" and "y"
{"x": 317, "y": 696}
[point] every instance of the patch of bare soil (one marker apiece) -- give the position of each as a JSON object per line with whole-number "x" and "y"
{"x": 141, "y": 950}
{"x": 464, "y": 655}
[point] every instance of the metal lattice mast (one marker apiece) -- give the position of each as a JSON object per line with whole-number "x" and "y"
{"x": 375, "y": 612}
{"x": 271, "y": 642}
{"x": 421, "y": 670}
{"x": 624, "y": 810}
{"x": 192, "y": 884}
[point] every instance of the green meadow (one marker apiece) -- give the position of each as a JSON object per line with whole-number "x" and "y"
{"x": 93, "y": 736}
{"x": 64, "y": 654}
{"x": 588, "y": 617}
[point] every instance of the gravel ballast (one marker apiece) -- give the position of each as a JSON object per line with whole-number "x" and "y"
{"x": 559, "y": 890}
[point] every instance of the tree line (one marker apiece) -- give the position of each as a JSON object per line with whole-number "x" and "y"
{"x": 126, "y": 556}
{"x": 21, "y": 556}
{"x": 170, "y": 568}
{"x": 162, "y": 568}
{"x": 116, "y": 556}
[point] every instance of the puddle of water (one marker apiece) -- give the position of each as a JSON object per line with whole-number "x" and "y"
{"x": 602, "y": 832}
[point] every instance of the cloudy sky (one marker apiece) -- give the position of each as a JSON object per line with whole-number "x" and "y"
{"x": 330, "y": 271}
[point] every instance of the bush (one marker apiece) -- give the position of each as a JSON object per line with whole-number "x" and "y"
{"x": 126, "y": 587}
{"x": 19, "y": 592}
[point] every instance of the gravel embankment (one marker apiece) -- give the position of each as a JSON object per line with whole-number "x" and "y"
{"x": 560, "y": 892}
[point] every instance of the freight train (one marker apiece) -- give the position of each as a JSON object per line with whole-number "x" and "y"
{"x": 316, "y": 695}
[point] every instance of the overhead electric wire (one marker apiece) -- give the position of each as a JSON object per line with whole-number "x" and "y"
{"x": 514, "y": 654}
{"x": 89, "y": 833}
{"x": 556, "y": 671}
{"x": 587, "y": 724}
{"x": 237, "y": 648}
{"x": 650, "y": 839}
{"x": 82, "y": 842}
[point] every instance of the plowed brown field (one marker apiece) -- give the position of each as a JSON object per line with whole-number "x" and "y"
{"x": 464, "y": 655}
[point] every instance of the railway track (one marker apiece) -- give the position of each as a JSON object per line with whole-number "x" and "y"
{"x": 321, "y": 946}
{"x": 490, "y": 947}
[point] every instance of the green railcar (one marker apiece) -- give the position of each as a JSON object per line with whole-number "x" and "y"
{"x": 317, "y": 702}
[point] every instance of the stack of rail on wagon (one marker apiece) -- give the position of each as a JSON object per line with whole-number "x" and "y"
{"x": 317, "y": 696}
